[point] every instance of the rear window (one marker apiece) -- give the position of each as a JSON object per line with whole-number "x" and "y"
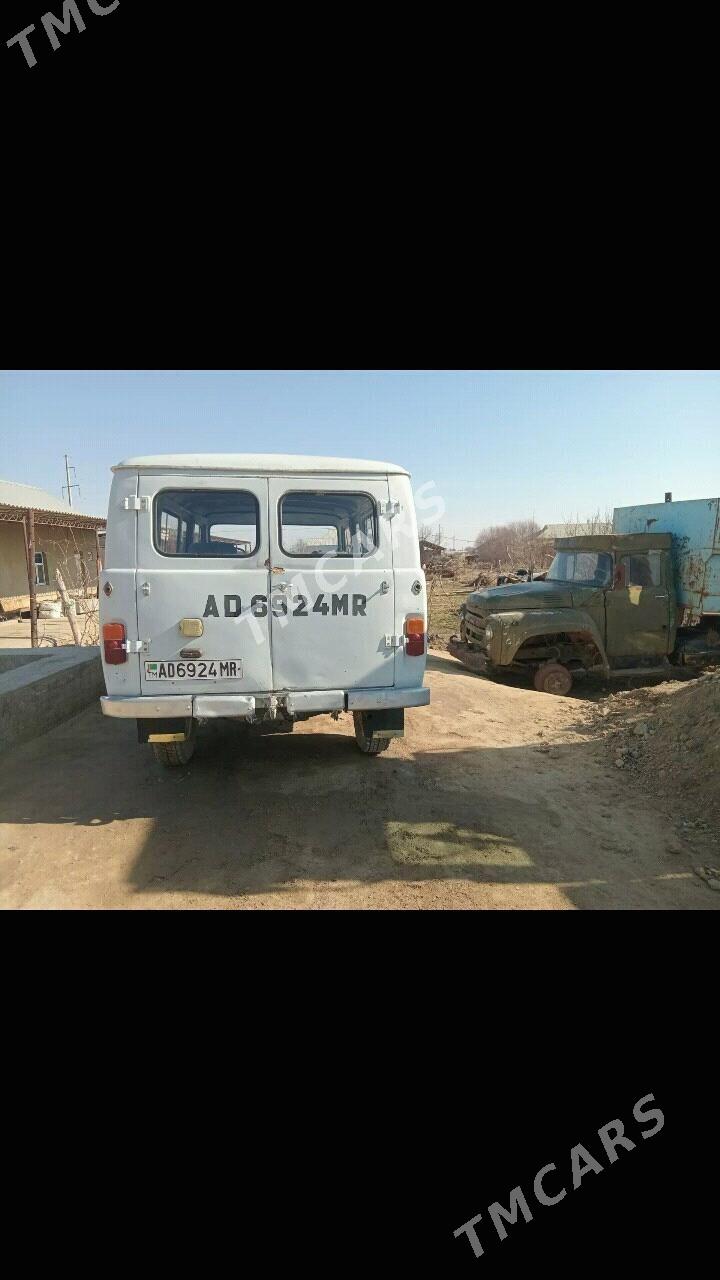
{"x": 206, "y": 522}
{"x": 328, "y": 524}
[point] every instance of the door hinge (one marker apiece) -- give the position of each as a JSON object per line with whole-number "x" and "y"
{"x": 136, "y": 504}
{"x": 389, "y": 509}
{"x": 133, "y": 646}
{"x": 393, "y": 642}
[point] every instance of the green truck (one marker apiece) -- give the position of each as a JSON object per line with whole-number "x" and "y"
{"x": 635, "y": 602}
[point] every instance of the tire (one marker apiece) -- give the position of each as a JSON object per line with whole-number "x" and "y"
{"x": 553, "y": 677}
{"x": 368, "y": 745}
{"x": 171, "y": 755}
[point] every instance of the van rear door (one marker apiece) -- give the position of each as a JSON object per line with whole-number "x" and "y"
{"x": 202, "y": 583}
{"x": 332, "y": 590}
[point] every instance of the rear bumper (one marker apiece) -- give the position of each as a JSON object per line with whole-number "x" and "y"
{"x": 245, "y": 706}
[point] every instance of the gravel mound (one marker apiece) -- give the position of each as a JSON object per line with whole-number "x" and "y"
{"x": 669, "y": 737}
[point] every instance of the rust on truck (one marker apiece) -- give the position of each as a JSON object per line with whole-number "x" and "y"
{"x": 609, "y": 604}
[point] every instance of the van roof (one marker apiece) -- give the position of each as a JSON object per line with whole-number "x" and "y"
{"x": 259, "y": 463}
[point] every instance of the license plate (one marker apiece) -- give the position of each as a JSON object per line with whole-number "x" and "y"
{"x": 200, "y": 669}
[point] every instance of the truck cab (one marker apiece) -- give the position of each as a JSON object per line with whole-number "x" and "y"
{"x": 606, "y": 604}
{"x": 264, "y": 588}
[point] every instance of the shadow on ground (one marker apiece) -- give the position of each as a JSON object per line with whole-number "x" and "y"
{"x": 255, "y": 816}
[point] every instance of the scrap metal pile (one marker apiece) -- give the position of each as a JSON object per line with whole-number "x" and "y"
{"x": 441, "y": 566}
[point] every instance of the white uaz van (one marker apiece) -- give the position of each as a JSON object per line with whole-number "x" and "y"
{"x": 266, "y": 587}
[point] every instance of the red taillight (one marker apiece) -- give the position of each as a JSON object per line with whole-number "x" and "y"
{"x": 414, "y": 635}
{"x": 114, "y": 635}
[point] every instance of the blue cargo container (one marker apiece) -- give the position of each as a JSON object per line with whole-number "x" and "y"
{"x": 695, "y": 530}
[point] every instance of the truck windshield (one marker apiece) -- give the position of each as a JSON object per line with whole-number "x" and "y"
{"x": 592, "y": 568}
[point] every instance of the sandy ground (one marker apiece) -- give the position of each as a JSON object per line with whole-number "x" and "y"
{"x": 498, "y": 797}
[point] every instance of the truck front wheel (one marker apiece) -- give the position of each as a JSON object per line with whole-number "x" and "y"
{"x": 553, "y": 677}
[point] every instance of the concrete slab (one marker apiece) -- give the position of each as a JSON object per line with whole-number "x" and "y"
{"x": 12, "y": 658}
{"x": 40, "y": 688}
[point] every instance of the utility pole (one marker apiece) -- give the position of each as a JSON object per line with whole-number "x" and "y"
{"x": 68, "y": 468}
{"x": 29, "y": 525}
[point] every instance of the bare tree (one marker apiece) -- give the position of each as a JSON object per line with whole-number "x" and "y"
{"x": 600, "y": 522}
{"x": 515, "y": 542}
{"x": 519, "y": 544}
{"x": 78, "y": 571}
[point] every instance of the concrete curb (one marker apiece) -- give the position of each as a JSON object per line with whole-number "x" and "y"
{"x": 41, "y": 689}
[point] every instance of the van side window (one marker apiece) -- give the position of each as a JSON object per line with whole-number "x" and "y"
{"x": 641, "y": 570}
{"x": 206, "y": 522}
{"x": 328, "y": 524}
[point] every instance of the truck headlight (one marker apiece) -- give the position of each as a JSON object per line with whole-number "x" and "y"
{"x": 488, "y": 633}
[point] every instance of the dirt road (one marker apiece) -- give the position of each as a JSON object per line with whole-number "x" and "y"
{"x": 498, "y": 797}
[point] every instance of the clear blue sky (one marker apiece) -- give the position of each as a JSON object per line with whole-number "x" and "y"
{"x": 499, "y": 445}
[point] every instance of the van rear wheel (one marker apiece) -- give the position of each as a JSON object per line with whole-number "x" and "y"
{"x": 370, "y": 744}
{"x": 173, "y": 754}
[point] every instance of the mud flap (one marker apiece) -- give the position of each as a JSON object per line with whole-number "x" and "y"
{"x": 164, "y": 729}
{"x": 389, "y": 723}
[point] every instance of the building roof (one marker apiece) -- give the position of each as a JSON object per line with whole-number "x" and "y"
{"x": 259, "y": 463}
{"x": 23, "y": 497}
{"x": 550, "y": 531}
